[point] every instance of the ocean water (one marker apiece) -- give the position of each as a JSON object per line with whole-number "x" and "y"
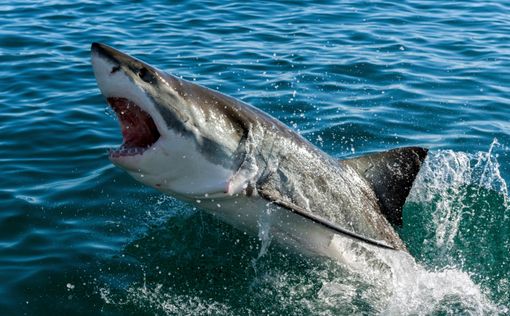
{"x": 80, "y": 237}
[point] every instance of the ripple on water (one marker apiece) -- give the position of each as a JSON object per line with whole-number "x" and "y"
{"x": 352, "y": 77}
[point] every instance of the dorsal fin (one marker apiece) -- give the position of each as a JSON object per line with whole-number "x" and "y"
{"x": 391, "y": 174}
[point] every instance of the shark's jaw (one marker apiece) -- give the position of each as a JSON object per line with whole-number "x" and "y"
{"x": 144, "y": 131}
{"x": 165, "y": 145}
{"x": 139, "y": 131}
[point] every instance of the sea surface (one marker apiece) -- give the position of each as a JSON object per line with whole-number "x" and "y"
{"x": 78, "y": 236}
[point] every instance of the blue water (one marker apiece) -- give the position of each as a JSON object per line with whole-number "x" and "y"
{"x": 79, "y": 237}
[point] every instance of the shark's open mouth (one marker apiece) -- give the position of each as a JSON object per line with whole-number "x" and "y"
{"x": 139, "y": 131}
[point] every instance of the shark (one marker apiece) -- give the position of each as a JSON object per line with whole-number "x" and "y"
{"x": 247, "y": 168}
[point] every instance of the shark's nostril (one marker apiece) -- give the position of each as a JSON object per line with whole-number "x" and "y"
{"x": 115, "y": 69}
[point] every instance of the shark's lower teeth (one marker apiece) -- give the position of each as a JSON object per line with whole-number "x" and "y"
{"x": 122, "y": 151}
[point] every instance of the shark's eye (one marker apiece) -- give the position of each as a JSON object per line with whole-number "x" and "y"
{"x": 145, "y": 75}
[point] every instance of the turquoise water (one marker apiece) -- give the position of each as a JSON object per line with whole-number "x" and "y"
{"x": 79, "y": 237}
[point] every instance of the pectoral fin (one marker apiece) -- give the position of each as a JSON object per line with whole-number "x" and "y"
{"x": 319, "y": 220}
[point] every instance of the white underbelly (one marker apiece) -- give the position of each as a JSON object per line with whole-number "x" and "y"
{"x": 254, "y": 214}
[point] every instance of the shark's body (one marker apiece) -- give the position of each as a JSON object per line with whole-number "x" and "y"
{"x": 248, "y": 168}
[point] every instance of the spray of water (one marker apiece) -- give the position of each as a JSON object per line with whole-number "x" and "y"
{"x": 454, "y": 193}
{"x": 158, "y": 298}
{"x": 444, "y": 183}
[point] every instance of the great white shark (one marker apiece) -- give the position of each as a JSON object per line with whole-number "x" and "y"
{"x": 246, "y": 168}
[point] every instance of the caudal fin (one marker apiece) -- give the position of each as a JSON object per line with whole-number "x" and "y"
{"x": 391, "y": 174}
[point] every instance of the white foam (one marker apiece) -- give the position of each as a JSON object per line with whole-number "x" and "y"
{"x": 417, "y": 291}
{"x": 163, "y": 301}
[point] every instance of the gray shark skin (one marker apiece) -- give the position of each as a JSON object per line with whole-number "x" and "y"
{"x": 246, "y": 167}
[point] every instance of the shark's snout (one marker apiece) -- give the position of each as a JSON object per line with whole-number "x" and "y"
{"x": 139, "y": 130}
{"x": 107, "y": 52}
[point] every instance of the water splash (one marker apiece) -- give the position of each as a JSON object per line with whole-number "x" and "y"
{"x": 163, "y": 301}
{"x": 486, "y": 172}
{"x": 265, "y": 232}
{"x": 451, "y": 183}
{"x": 264, "y": 225}
{"x": 458, "y": 213}
{"x": 393, "y": 283}
{"x": 418, "y": 291}
{"x": 444, "y": 175}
